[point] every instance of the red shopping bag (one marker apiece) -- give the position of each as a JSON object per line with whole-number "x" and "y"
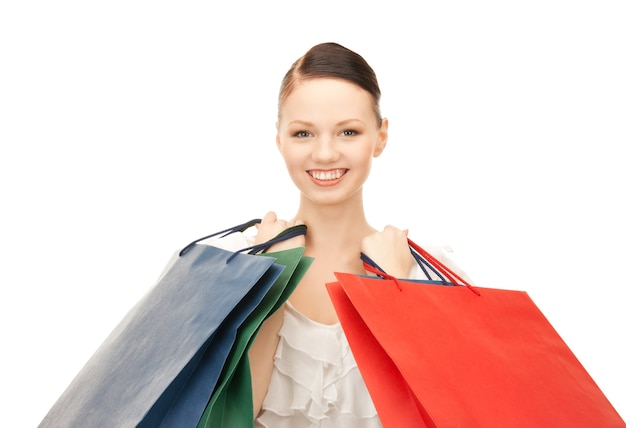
{"x": 457, "y": 355}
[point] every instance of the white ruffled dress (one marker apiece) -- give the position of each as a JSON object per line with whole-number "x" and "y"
{"x": 316, "y": 382}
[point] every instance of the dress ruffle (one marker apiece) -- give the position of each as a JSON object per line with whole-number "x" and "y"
{"x": 315, "y": 381}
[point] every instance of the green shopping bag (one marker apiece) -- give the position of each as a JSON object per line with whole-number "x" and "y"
{"x": 231, "y": 404}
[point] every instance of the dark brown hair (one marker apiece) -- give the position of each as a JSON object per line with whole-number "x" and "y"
{"x": 331, "y": 60}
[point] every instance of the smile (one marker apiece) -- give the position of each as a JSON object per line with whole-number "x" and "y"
{"x": 327, "y": 175}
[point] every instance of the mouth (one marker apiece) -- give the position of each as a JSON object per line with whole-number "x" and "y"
{"x": 327, "y": 175}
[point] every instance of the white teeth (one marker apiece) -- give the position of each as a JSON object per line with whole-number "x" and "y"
{"x": 327, "y": 175}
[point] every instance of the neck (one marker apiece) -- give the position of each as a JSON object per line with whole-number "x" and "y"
{"x": 334, "y": 227}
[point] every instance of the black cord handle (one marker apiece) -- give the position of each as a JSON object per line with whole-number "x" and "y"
{"x": 239, "y": 228}
{"x": 290, "y": 232}
{"x": 421, "y": 262}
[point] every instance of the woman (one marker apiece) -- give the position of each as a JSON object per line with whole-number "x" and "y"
{"x": 329, "y": 129}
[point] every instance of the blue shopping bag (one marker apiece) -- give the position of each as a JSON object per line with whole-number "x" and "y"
{"x": 135, "y": 376}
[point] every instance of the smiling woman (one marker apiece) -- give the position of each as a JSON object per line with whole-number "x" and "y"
{"x": 329, "y": 131}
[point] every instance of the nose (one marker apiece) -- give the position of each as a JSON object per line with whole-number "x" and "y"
{"x": 325, "y": 150}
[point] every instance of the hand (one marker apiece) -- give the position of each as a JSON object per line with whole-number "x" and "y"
{"x": 270, "y": 226}
{"x": 390, "y": 250}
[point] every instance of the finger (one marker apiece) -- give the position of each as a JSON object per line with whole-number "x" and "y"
{"x": 270, "y": 217}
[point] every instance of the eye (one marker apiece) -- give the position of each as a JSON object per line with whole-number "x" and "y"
{"x": 301, "y": 134}
{"x": 349, "y": 133}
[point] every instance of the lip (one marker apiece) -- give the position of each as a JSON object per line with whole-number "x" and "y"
{"x": 327, "y": 177}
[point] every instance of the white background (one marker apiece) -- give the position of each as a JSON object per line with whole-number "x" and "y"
{"x": 129, "y": 129}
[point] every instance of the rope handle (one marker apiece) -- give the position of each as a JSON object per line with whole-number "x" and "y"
{"x": 424, "y": 265}
{"x": 378, "y": 271}
{"x": 290, "y": 232}
{"x": 424, "y": 259}
{"x": 286, "y": 234}
{"x": 239, "y": 228}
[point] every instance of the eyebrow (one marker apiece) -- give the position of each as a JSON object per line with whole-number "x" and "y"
{"x": 306, "y": 123}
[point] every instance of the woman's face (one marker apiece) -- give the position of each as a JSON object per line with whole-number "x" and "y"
{"x": 328, "y": 134}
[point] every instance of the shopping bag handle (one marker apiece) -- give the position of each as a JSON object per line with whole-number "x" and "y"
{"x": 455, "y": 278}
{"x": 290, "y": 232}
{"x": 239, "y": 228}
{"x": 424, "y": 259}
{"x": 426, "y": 267}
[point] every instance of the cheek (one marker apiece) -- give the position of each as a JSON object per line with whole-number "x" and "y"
{"x": 365, "y": 153}
{"x": 292, "y": 157}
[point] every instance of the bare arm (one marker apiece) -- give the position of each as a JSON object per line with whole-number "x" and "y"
{"x": 261, "y": 354}
{"x": 261, "y": 357}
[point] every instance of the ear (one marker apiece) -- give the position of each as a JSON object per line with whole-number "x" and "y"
{"x": 382, "y": 137}
{"x": 278, "y": 143}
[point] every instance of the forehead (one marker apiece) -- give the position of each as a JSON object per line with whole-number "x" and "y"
{"x": 319, "y": 96}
